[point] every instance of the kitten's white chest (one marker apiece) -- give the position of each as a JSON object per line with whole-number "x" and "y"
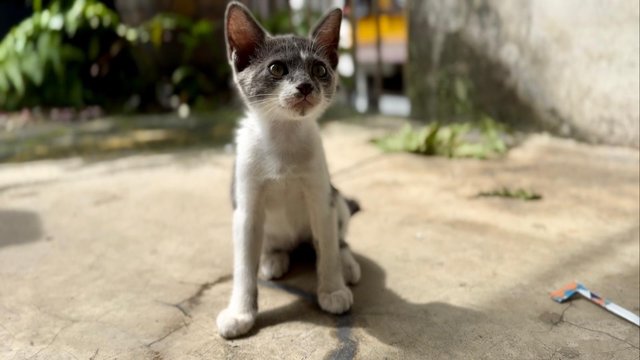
{"x": 286, "y": 169}
{"x": 287, "y": 217}
{"x": 286, "y": 159}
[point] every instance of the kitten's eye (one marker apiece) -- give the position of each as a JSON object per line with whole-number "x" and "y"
{"x": 319, "y": 70}
{"x": 277, "y": 69}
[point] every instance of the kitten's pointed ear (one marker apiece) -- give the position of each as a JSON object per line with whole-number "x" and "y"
{"x": 243, "y": 34}
{"x": 326, "y": 34}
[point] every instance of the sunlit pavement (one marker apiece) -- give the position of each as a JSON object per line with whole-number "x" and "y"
{"x": 130, "y": 258}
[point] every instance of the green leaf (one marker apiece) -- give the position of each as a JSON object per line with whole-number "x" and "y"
{"x": 75, "y": 93}
{"x": 44, "y": 45}
{"x": 37, "y": 5}
{"x": 202, "y": 28}
{"x": 14, "y": 75}
{"x": 4, "y": 82}
{"x": 71, "y": 53}
{"x": 33, "y": 68}
{"x": 94, "y": 48}
{"x": 505, "y": 192}
{"x": 182, "y": 73}
{"x": 56, "y": 61}
{"x": 455, "y": 140}
{"x": 73, "y": 17}
{"x": 430, "y": 141}
{"x": 156, "y": 33}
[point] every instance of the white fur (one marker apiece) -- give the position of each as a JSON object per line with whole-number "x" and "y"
{"x": 283, "y": 195}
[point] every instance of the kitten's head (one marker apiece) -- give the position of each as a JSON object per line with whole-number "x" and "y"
{"x": 283, "y": 77}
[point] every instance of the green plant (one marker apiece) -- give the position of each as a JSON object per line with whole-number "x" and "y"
{"x": 43, "y": 59}
{"x": 281, "y": 22}
{"x": 77, "y": 53}
{"x": 278, "y": 23}
{"x": 505, "y": 192}
{"x": 187, "y": 80}
{"x": 455, "y": 95}
{"x": 190, "y": 33}
{"x": 482, "y": 139}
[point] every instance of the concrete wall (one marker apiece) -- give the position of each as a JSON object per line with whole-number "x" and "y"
{"x": 569, "y": 66}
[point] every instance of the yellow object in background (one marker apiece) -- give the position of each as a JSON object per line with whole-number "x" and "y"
{"x": 393, "y": 28}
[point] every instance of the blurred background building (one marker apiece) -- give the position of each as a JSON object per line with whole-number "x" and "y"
{"x": 570, "y": 67}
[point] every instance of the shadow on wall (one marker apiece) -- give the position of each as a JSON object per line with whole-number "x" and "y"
{"x": 411, "y": 328}
{"x": 19, "y": 227}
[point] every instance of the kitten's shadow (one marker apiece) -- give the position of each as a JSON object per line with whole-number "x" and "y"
{"x": 410, "y": 327}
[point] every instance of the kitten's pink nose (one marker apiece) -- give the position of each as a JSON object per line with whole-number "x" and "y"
{"x": 305, "y": 88}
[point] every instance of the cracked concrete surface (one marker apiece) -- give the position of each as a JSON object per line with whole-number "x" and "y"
{"x": 130, "y": 258}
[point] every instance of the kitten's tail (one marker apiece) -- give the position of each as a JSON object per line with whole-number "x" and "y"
{"x": 353, "y": 205}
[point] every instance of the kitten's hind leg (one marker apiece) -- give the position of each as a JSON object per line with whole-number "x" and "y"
{"x": 350, "y": 267}
{"x": 273, "y": 264}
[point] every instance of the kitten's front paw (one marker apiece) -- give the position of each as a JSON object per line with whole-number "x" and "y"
{"x": 336, "y": 302}
{"x": 232, "y": 324}
{"x": 273, "y": 265}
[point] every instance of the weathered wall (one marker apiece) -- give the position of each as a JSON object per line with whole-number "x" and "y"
{"x": 569, "y": 66}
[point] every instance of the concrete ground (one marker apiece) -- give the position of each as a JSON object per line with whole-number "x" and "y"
{"x": 130, "y": 258}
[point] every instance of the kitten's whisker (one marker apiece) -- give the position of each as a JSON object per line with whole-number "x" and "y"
{"x": 261, "y": 97}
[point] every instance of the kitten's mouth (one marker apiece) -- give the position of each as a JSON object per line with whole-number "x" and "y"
{"x": 303, "y": 105}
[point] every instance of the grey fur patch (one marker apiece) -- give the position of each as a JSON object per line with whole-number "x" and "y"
{"x": 333, "y": 195}
{"x": 353, "y": 205}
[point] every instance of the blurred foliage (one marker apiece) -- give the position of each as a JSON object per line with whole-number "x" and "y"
{"x": 44, "y": 59}
{"x": 505, "y": 192}
{"x": 278, "y": 23}
{"x": 194, "y": 31}
{"x": 481, "y": 140}
{"x": 76, "y": 53}
{"x": 281, "y": 22}
{"x": 455, "y": 96}
{"x": 180, "y": 79}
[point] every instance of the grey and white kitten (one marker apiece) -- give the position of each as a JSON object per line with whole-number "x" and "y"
{"x": 282, "y": 194}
